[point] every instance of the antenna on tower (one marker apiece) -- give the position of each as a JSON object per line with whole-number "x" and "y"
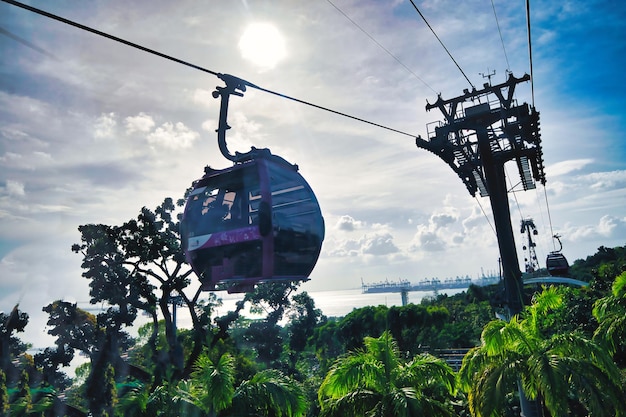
{"x": 488, "y": 75}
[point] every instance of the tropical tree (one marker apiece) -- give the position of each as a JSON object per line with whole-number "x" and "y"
{"x": 11, "y": 346}
{"x": 562, "y": 371}
{"x": 139, "y": 266}
{"x": 268, "y": 393}
{"x": 377, "y": 381}
{"x": 610, "y": 312}
{"x": 98, "y": 337}
{"x": 214, "y": 383}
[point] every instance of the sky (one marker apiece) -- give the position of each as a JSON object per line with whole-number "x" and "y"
{"x": 92, "y": 130}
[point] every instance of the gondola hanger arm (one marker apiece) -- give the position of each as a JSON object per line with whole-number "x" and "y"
{"x": 234, "y": 86}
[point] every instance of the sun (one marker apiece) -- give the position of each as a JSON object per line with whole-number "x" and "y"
{"x": 263, "y": 45}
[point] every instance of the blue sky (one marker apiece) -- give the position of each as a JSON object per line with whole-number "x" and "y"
{"x": 92, "y": 130}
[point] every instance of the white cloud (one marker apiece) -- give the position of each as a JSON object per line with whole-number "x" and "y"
{"x": 348, "y": 223}
{"x": 42, "y": 156}
{"x": 141, "y": 123}
{"x": 203, "y": 97}
{"x": 104, "y": 126}
{"x": 442, "y": 219}
{"x": 566, "y": 167}
{"x": 15, "y": 188}
{"x": 244, "y": 134}
{"x": 209, "y": 125}
{"x": 10, "y": 157}
{"x": 379, "y": 244}
{"x": 342, "y": 248}
{"x": 611, "y": 226}
{"x": 374, "y": 244}
{"x": 607, "y": 227}
{"x": 606, "y": 180}
{"x": 476, "y": 219}
{"x": 173, "y": 136}
{"x": 427, "y": 240}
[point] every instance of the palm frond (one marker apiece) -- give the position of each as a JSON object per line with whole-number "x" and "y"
{"x": 547, "y": 377}
{"x": 375, "y": 382}
{"x": 611, "y": 315}
{"x": 576, "y": 345}
{"x": 595, "y": 390}
{"x": 619, "y": 286}
{"x": 270, "y": 392}
{"x": 215, "y": 381}
{"x": 424, "y": 370}
{"x": 357, "y": 403}
{"x": 499, "y": 336}
{"x": 353, "y": 371}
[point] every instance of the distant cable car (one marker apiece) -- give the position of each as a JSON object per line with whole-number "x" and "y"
{"x": 257, "y": 221}
{"x": 556, "y": 263}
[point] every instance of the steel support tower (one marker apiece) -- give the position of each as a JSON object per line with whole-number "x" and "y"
{"x": 531, "y": 263}
{"x": 484, "y": 129}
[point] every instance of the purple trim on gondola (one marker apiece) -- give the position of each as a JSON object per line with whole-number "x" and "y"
{"x": 266, "y": 195}
{"x": 245, "y": 234}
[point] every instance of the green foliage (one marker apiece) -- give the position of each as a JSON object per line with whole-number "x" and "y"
{"x": 269, "y": 392}
{"x": 101, "y": 391}
{"x": 126, "y": 264}
{"x": 22, "y": 402}
{"x": 445, "y": 322}
{"x": 139, "y": 266}
{"x": 214, "y": 382}
{"x": 302, "y": 321}
{"x": 610, "y": 311}
{"x": 559, "y": 369}
{"x": 4, "y": 394}
{"x": 600, "y": 268}
{"x": 377, "y": 381}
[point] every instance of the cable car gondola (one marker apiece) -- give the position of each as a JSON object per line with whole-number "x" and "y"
{"x": 257, "y": 221}
{"x": 556, "y": 263}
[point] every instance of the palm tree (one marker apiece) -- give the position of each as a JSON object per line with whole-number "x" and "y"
{"x": 213, "y": 383}
{"x": 376, "y": 381}
{"x": 557, "y": 370}
{"x": 268, "y": 393}
{"x": 610, "y": 312}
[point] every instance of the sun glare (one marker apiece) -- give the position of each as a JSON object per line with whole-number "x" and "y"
{"x": 263, "y": 45}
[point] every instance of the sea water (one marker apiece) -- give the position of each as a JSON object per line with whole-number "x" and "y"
{"x": 338, "y": 303}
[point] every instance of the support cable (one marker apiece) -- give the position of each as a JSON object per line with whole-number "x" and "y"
{"x": 508, "y": 66}
{"x": 358, "y": 119}
{"x": 444, "y": 46}
{"x": 519, "y": 208}
{"x": 530, "y": 54}
{"x": 545, "y": 194}
{"x": 381, "y": 46}
{"x": 532, "y": 93}
{"x": 199, "y": 68}
{"x": 486, "y": 217}
{"x": 106, "y": 35}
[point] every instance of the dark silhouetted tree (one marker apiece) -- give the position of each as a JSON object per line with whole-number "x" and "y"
{"x": 10, "y": 345}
